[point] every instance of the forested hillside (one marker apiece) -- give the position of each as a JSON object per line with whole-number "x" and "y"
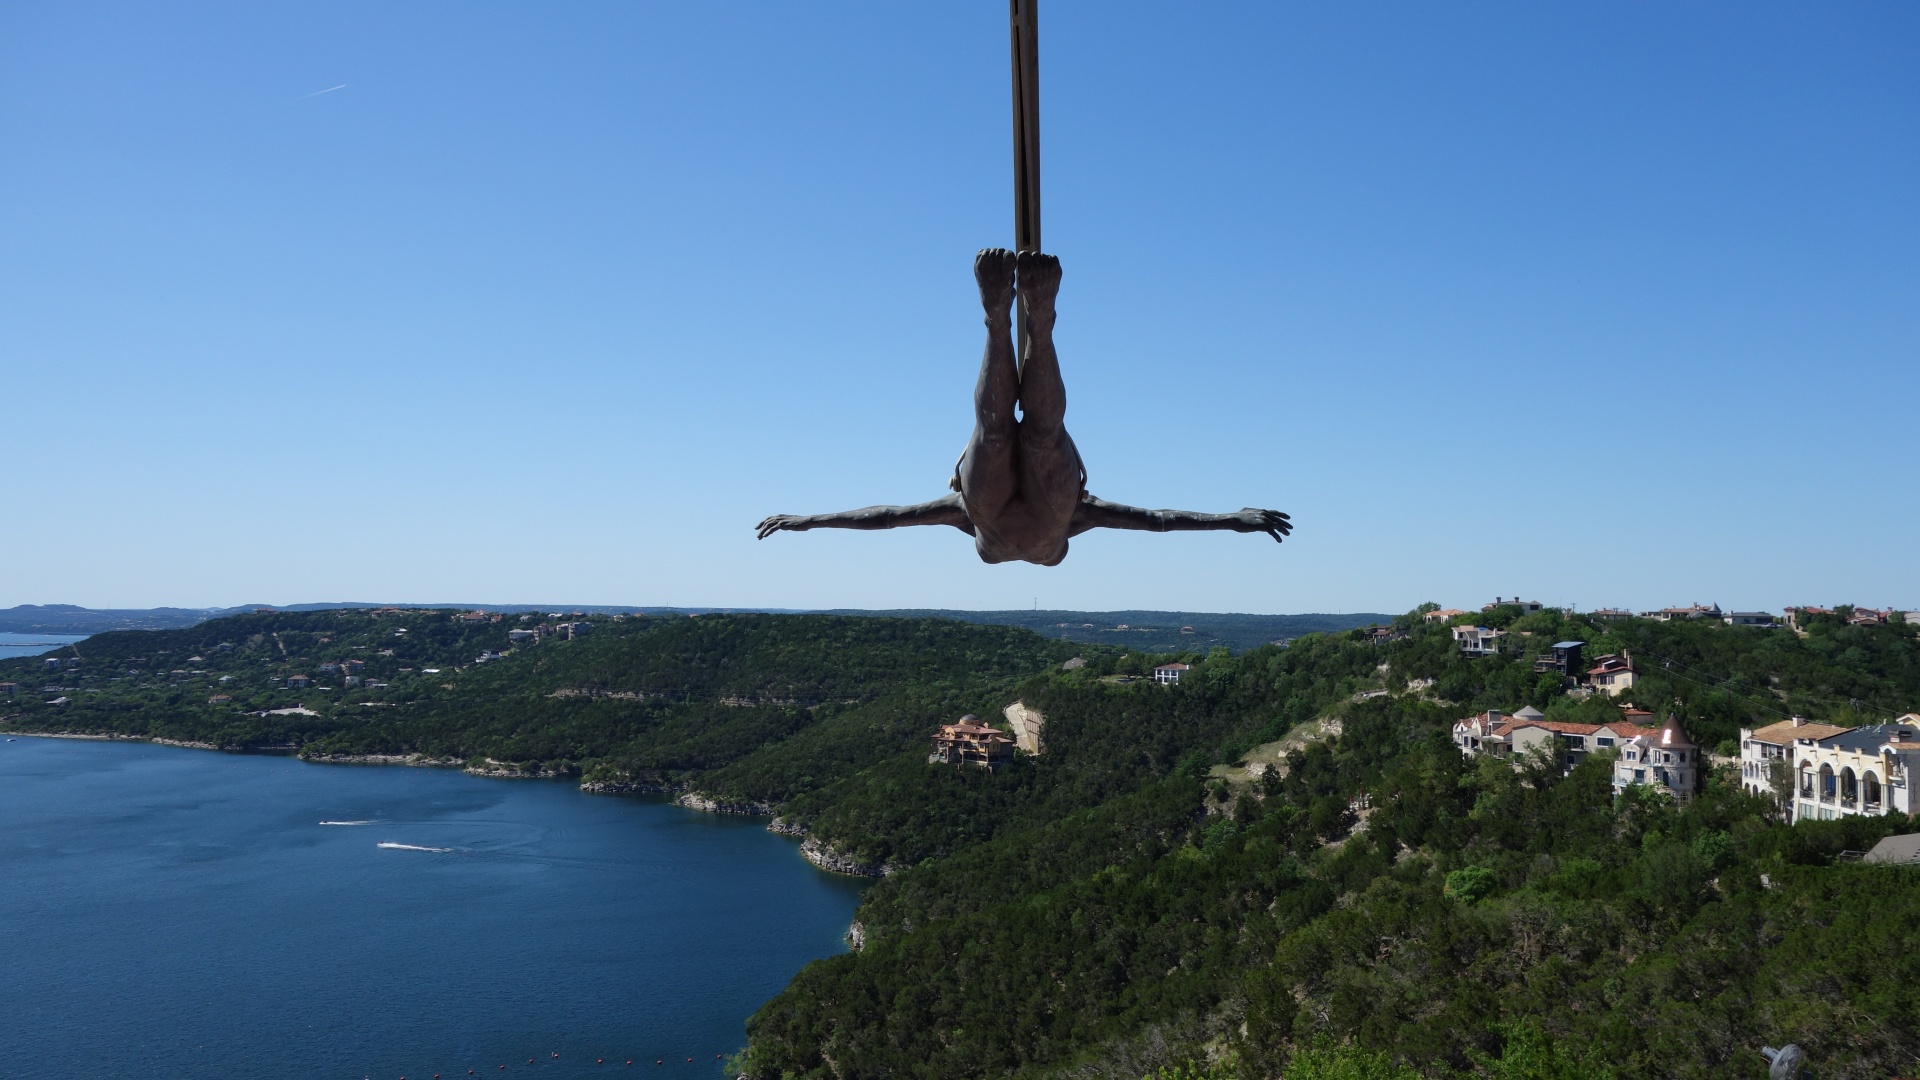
{"x": 1119, "y": 906}
{"x": 1386, "y": 908}
{"x": 663, "y": 700}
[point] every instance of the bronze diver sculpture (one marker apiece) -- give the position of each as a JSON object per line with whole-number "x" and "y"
{"x": 1020, "y": 489}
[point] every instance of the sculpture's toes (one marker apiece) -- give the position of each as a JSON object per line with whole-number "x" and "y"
{"x": 993, "y": 268}
{"x": 1039, "y": 275}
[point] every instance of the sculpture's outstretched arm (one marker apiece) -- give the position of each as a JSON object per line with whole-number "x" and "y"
{"x": 1096, "y": 513}
{"x": 947, "y": 511}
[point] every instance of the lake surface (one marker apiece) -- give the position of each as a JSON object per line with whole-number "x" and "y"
{"x": 34, "y": 644}
{"x": 183, "y": 913}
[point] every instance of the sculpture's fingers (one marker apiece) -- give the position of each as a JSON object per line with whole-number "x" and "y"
{"x": 1274, "y": 524}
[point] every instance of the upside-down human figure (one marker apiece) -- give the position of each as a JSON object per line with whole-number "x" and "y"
{"x": 1020, "y": 489}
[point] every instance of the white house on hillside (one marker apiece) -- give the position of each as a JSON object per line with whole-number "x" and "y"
{"x": 1761, "y": 748}
{"x": 1611, "y": 675}
{"x": 1865, "y": 771}
{"x": 1665, "y": 760}
{"x": 1478, "y": 640}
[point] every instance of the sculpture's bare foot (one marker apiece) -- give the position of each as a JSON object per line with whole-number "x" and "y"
{"x": 1272, "y": 522}
{"x": 1039, "y": 281}
{"x": 993, "y": 268}
{"x": 781, "y": 523}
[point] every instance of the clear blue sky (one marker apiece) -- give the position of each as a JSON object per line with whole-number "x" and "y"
{"x": 1597, "y": 303}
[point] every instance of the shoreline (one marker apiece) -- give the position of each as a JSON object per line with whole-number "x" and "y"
{"x": 823, "y": 856}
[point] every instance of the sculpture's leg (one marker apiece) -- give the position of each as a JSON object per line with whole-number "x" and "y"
{"x": 987, "y": 469}
{"x": 1051, "y": 475}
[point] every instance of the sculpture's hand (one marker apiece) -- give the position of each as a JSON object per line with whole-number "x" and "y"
{"x": 1272, "y": 522}
{"x": 782, "y": 523}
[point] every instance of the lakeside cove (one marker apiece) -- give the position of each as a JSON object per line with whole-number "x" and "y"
{"x": 192, "y": 914}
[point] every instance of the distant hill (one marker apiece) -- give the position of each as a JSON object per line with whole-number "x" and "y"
{"x": 68, "y": 619}
{"x": 1141, "y": 631}
{"x": 1151, "y": 631}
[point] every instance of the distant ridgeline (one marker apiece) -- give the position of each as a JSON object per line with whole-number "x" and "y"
{"x": 1152, "y": 631}
{"x": 68, "y": 619}
{"x": 1280, "y": 865}
{"x": 1144, "y": 631}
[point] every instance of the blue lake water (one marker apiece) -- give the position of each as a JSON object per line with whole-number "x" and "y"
{"x": 34, "y": 644}
{"x": 182, "y": 913}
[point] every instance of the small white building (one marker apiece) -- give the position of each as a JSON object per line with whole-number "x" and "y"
{"x": 1611, "y": 675}
{"x": 1478, "y": 640}
{"x": 1169, "y": 674}
{"x": 1665, "y": 760}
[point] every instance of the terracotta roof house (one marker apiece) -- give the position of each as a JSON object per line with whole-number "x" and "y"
{"x": 1169, "y": 674}
{"x": 1796, "y": 617}
{"x": 970, "y": 742}
{"x": 1611, "y": 675}
{"x": 1522, "y": 734}
{"x": 1666, "y": 761}
{"x": 1443, "y": 614}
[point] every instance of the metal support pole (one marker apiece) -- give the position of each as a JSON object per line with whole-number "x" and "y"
{"x": 1024, "y": 29}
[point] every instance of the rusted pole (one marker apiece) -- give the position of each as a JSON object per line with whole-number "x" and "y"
{"x": 1024, "y": 29}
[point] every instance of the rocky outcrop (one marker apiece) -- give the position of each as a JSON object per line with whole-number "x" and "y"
{"x": 856, "y": 936}
{"x": 626, "y": 787}
{"x": 509, "y": 770}
{"x": 1026, "y": 723}
{"x": 693, "y": 800}
{"x": 417, "y": 760}
{"x": 826, "y": 858}
{"x": 786, "y": 828}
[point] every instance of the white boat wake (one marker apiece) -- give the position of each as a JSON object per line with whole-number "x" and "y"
{"x": 392, "y": 846}
{"x": 347, "y": 823}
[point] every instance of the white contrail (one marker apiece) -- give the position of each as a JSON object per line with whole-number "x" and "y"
{"x": 317, "y": 93}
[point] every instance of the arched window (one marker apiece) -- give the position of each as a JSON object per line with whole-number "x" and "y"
{"x": 1806, "y": 779}
{"x": 1870, "y": 792}
{"x": 1827, "y": 783}
{"x": 1849, "y": 786}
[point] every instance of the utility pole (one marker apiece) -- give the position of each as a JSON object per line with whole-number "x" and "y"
{"x": 1023, "y": 22}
